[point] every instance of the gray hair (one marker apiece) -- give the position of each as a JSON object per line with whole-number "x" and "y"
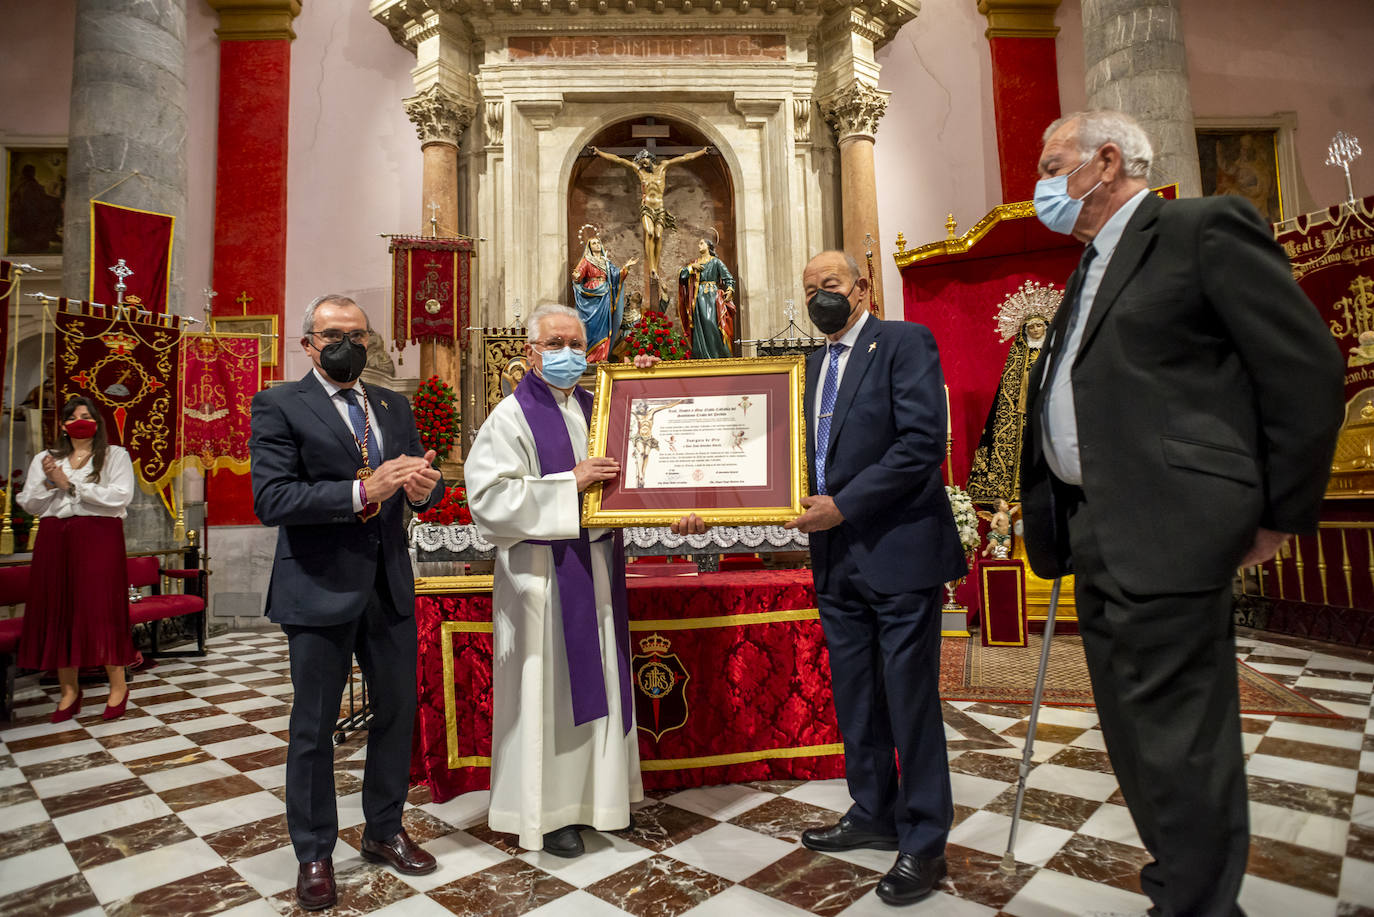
{"x": 1095, "y": 128}
{"x": 308, "y": 323}
{"x": 537, "y": 318}
{"x": 849, "y": 261}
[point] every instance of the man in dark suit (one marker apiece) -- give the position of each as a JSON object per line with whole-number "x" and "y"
{"x": 331, "y": 466}
{"x": 883, "y": 542}
{"x": 1180, "y": 424}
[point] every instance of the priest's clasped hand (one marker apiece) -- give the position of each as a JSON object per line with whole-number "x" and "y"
{"x": 821, "y": 514}
{"x": 403, "y": 471}
{"x": 589, "y": 471}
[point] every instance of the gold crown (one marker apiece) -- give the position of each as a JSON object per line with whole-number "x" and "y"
{"x": 133, "y": 300}
{"x": 119, "y": 341}
{"x": 655, "y": 643}
{"x": 1030, "y": 300}
{"x": 581, "y": 230}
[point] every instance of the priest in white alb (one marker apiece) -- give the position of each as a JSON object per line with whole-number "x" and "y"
{"x": 565, "y": 756}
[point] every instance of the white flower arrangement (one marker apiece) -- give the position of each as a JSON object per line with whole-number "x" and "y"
{"x": 965, "y": 519}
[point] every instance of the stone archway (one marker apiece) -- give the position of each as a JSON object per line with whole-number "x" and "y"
{"x": 699, "y": 195}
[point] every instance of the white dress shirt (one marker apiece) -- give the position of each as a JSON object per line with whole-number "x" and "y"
{"x": 374, "y": 441}
{"x": 847, "y": 339}
{"x": 1060, "y": 437}
{"x": 109, "y": 497}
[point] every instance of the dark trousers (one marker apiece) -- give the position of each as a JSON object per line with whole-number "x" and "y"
{"x": 885, "y": 669}
{"x": 321, "y": 660}
{"x": 1163, "y": 670}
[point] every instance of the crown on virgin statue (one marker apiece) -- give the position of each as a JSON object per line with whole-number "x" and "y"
{"x": 1030, "y": 300}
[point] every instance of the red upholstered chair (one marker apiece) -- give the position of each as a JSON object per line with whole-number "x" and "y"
{"x": 14, "y": 590}
{"x": 145, "y": 572}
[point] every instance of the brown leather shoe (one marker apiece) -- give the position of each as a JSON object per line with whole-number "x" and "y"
{"x": 315, "y": 885}
{"x": 400, "y": 853}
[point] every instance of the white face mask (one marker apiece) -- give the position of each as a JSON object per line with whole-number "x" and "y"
{"x": 1053, "y": 204}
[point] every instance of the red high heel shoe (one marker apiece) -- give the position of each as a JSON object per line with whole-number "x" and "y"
{"x": 116, "y": 711}
{"x": 66, "y": 713}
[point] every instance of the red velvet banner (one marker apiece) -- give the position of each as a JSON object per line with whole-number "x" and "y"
{"x": 731, "y": 672}
{"x": 1332, "y": 252}
{"x": 1003, "y": 587}
{"x": 143, "y": 239}
{"x": 431, "y": 289}
{"x": 131, "y": 369}
{"x": 220, "y": 375}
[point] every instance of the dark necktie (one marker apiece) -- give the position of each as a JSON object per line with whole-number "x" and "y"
{"x": 1072, "y": 298}
{"x": 359, "y": 421}
{"x": 828, "y": 392}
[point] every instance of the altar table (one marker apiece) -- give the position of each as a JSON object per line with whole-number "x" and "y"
{"x": 730, "y": 672}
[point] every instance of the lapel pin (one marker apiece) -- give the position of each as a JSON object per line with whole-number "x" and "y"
{"x": 384, "y": 404}
{"x": 873, "y": 346}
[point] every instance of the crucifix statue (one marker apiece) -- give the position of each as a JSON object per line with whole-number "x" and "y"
{"x": 653, "y": 176}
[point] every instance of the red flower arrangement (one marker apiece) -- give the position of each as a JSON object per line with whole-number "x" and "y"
{"x": 452, "y": 510}
{"x": 436, "y": 415}
{"x": 654, "y": 334}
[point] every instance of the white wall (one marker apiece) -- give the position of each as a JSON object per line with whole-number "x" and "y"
{"x": 936, "y": 150}
{"x": 354, "y": 168}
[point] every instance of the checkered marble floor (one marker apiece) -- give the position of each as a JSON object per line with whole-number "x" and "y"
{"x": 177, "y": 809}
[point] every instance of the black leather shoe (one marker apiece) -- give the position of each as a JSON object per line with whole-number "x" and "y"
{"x": 401, "y": 854}
{"x": 565, "y": 842}
{"x": 845, "y": 835}
{"x": 315, "y": 885}
{"x": 911, "y": 879}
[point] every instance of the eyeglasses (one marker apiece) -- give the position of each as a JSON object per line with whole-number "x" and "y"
{"x": 334, "y": 336}
{"x": 558, "y": 343}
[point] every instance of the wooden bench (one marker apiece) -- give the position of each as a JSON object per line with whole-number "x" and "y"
{"x": 144, "y": 572}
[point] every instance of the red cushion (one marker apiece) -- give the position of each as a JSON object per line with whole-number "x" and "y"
{"x": 143, "y": 571}
{"x": 14, "y": 585}
{"x": 156, "y": 607}
{"x": 9, "y": 634}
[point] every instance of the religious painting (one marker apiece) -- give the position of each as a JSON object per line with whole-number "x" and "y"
{"x": 1243, "y": 163}
{"x": 264, "y": 326}
{"x": 649, "y": 190}
{"x": 35, "y": 188}
{"x": 725, "y": 439}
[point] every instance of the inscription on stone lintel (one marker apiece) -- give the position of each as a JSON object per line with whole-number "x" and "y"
{"x": 608, "y": 47}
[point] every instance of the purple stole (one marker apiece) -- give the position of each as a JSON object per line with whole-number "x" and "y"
{"x": 572, "y": 559}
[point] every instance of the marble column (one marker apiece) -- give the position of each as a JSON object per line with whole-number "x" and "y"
{"x": 1136, "y": 62}
{"x": 1025, "y": 86}
{"x": 128, "y": 113}
{"x": 440, "y": 117}
{"x": 854, "y": 111}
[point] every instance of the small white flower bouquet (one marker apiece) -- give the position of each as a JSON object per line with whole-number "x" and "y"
{"x": 965, "y": 519}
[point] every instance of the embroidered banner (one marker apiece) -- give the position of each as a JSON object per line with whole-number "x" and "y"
{"x": 143, "y": 239}
{"x": 131, "y": 369}
{"x": 1332, "y": 252}
{"x": 431, "y": 289}
{"x": 220, "y": 375}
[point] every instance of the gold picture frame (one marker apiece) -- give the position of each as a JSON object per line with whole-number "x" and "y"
{"x": 717, "y": 395}
{"x": 264, "y": 326}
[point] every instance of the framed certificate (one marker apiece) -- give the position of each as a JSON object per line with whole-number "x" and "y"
{"x": 725, "y": 439}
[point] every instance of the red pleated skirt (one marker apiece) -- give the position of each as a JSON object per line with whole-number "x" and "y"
{"x": 77, "y": 614}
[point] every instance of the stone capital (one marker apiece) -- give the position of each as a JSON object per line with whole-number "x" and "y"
{"x": 1020, "y": 18}
{"x": 854, "y": 110}
{"x": 255, "y": 20}
{"x": 439, "y": 115}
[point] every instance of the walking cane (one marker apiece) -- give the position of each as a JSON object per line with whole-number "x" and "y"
{"x": 1008, "y": 866}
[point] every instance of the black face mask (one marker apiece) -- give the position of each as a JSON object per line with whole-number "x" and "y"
{"x": 343, "y": 361}
{"x": 829, "y": 310}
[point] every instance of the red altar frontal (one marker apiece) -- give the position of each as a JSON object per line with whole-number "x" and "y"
{"x": 730, "y": 673}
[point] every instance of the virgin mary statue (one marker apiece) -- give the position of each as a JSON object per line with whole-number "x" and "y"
{"x": 599, "y": 292}
{"x": 1024, "y": 318}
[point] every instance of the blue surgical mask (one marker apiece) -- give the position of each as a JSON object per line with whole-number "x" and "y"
{"x": 562, "y": 368}
{"x": 1053, "y": 204}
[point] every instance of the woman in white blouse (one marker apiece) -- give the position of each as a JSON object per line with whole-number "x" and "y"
{"x": 77, "y": 613}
